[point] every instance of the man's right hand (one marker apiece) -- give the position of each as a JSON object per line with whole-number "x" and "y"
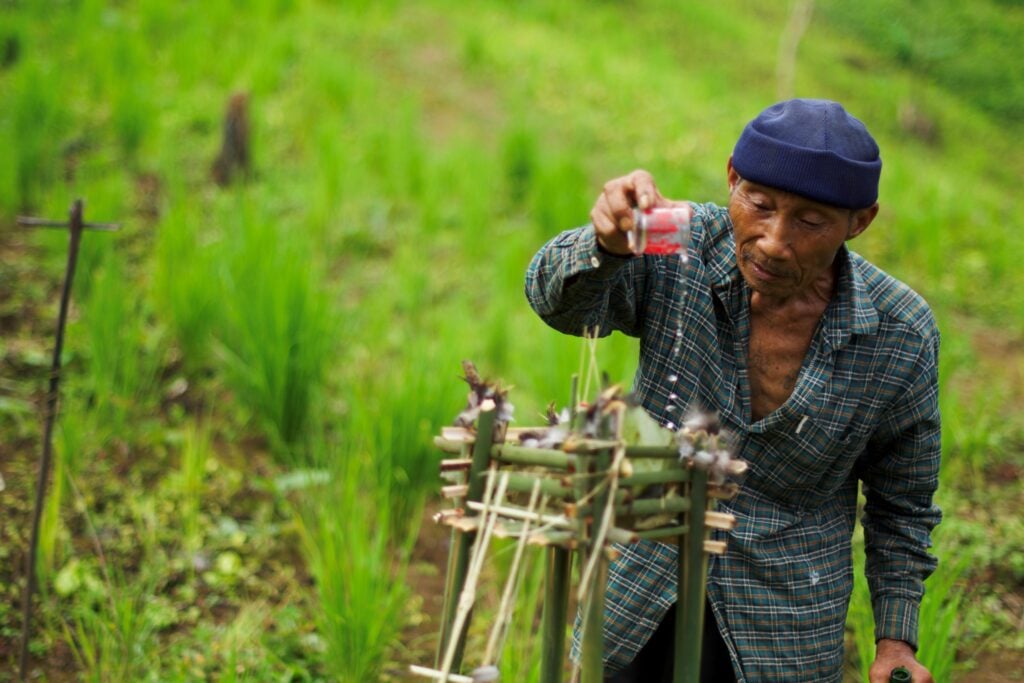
{"x": 612, "y": 214}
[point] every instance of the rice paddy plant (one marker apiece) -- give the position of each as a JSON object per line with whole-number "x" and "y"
{"x": 275, "y": 326}
{"x": 943, "y": 616}
{"x": 69, "y": 446}
{"x": 113, "y": 633}
{"x": 123, "y": 356}
{"x": 395, "y": 152}
{"x": 398, "y": 412}
{"x": 860, "y": 619}
{"x": 183, "y": 273}
{"x": 942, "y": 622}
{"x": 195, "y": 455}
{"x": 132, "y": 108}
{"x": 359, "y": 570}
{"x": 51, "y": 523}
{"x": 561, "y": 196}
{"x": 33, "y": 131}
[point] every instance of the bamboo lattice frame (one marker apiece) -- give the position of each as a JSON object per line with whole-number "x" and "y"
{"x": 590, "y": 499}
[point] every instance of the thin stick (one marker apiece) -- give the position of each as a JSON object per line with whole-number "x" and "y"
{"x": 437, "y": 675}
{"x": 76, "y": 226}
{"x": 556, "y": 521}
{"x": 691, "y": 578}
{"x": 458, "y": 561}
{"x": 468, "y": 595}
{"x": 591, "y": 594}
{"x": 504, "y": 616}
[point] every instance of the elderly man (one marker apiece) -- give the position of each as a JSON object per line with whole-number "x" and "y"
{"x": 822, "y": 366}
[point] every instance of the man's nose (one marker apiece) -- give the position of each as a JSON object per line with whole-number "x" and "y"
{"x": 776, "y": 239}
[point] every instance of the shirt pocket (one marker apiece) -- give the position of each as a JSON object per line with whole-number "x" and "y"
{"x": 806, "y": 460}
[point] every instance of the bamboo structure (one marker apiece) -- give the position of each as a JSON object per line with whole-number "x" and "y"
{"x": 588, "y": 492}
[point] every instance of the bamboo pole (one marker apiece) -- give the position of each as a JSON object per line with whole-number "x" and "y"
{"x": 592, "y": 656}
{"x": 467, "y": 596}
{"x": 543, "y": 457}
{"x": 641, "y": 507}
{"x": 691, "y": 577}
{"x": 670, "y": 476}
{"x": 653, "y": 451}
{"x": 556, "y": 613}
{"x": 523, "y": 482}
{"x": 461, "y": 542}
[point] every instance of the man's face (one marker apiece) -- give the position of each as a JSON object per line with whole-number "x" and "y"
{"x": 785, "y": 243}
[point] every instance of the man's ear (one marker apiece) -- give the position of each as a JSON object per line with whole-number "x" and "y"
{"x": 732, "y": 174}
{"x": 861, "y": 219}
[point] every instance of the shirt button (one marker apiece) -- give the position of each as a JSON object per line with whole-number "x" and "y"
{"x": 594, "y": 261}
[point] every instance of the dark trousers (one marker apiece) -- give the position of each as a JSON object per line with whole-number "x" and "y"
{"x": 653, "y": 664}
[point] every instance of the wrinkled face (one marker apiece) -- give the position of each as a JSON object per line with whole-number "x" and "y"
{"x": 786, "y": 243}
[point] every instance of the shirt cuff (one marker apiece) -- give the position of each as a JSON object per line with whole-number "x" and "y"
{"x": 897, "y": 619}
{"x": 588, "y": 257}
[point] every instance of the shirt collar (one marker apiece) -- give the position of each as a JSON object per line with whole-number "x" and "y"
{"x": 850, "y": 312}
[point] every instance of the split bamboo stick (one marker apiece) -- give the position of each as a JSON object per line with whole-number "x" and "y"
{"x": 461, "y": 542}
{"x": 690, "y": 581}
{"x": 437, "y": 675}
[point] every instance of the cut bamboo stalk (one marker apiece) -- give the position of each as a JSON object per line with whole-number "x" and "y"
{"x": 592, "y": 655}
{"x": 461, "y": 542}
{"x": 556, "y": 612}
{"x": 690, "y": 582}
{"x": 715, "y": 547}
{"x": 557, "y": 537}
{"x": 456, "y": 464}
{"x": 643, "y": 507}
{"x": 622, "y": 536}
{"x": 662, "y": 533}
{"x": 664, "y": 452}
{"x": 543, "y": 457}
{"x": 719, "y": 520}
{"x": 549, "y": 486}
{"x": 588, "y": 446}
{"x": 460, "y": 434}
{"x": 669, "y": 476}
{"x": 441, "y": 516}
{"x": 455, "y": 491}
{"x": 467, "y": 596}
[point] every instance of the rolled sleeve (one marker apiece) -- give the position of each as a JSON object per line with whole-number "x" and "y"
{"x": 574, "y": 286}
{"x": 900, "y": 480}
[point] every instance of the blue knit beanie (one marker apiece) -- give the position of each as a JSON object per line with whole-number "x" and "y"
{"x": 812, "y": 148}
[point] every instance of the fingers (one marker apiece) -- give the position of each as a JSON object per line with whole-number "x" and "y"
{"x": 612, "y": 214}
{"x": 628, "y": 192}
{"x": 610, "y": 233}
{"x": 645, "y": 192}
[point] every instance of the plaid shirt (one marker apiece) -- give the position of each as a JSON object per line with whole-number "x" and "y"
{"x": 865, "y": 408}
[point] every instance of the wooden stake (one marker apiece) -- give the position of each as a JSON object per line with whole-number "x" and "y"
{"x": 75, "y": 226}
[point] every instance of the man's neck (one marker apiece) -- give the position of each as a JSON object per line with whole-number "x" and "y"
{"x": 815, "y": 297}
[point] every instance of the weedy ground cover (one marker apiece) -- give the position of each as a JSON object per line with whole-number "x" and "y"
{"x": 255, "y": 372}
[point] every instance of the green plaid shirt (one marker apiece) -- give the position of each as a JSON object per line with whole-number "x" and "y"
{"x": 865, "y": 408}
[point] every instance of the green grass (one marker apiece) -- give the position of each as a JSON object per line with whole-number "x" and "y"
{"x": 409, "y": 159}
{"x": 358, "y": 568}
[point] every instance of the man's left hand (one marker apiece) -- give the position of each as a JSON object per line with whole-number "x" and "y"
{"x": 890, "y": 654}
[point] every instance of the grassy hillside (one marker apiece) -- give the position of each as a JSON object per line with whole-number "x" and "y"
{"x": 254, "y": 372}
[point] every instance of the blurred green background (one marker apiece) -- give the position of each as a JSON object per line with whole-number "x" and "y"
{"x": 254, "y": 371}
